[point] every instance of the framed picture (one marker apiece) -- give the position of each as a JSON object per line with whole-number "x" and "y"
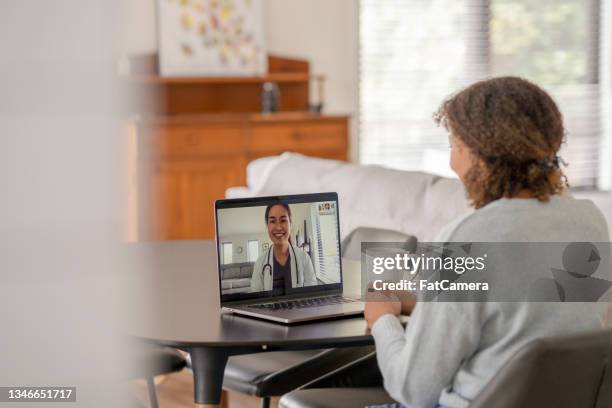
{"x": 327, "y": 208}
{"x": 211, "y": 38}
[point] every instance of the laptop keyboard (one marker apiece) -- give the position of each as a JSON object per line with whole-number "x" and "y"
{"x": 303, "y": 303}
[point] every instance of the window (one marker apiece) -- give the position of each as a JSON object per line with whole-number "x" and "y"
{"x": 415, "y": 53}
{"x": 252, "y": 250}
{"x": 326, "y": 249}
{"x": 227, "y": 252}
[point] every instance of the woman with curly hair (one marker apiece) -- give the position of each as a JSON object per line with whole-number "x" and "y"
{"x": 505, "y": 134}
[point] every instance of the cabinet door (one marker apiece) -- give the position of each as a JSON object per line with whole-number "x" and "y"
{"x": 183, "y": 192}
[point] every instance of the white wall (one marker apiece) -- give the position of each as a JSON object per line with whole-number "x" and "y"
{"x": 246, "y": 220}
{"x": 324, "y": 32}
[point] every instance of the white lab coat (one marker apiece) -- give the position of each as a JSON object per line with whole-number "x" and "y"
{"x": 304, "y": 276}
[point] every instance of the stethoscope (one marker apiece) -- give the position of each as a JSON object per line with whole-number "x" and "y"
{"x": 269, "y": 265}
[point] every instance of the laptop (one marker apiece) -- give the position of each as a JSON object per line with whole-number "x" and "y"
{"x": 279, "y": 258}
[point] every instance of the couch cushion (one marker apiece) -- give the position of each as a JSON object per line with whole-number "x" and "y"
{"x": 237, "y": 270}
{"x": 241, "y": 283}
{"x": 230, "y": 272}
{"x": 246, "y": 271}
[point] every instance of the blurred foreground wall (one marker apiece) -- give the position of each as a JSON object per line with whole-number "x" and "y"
{"x": 62, "y": 286}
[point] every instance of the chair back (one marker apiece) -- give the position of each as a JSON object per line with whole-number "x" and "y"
{"x": 351, "y": 245}
{"x": 573, "y": 371}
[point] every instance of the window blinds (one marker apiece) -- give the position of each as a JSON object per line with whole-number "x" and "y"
{"x": 414, "y": 53}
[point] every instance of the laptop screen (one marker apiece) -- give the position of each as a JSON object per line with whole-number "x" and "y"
{"x": 270, "y": 247}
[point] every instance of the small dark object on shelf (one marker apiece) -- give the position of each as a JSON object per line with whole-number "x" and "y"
{"x": 270, "y": 97}
{"x": 315, "y": 107}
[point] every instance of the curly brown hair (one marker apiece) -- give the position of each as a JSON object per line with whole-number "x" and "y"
{"x": 514, "y": 130}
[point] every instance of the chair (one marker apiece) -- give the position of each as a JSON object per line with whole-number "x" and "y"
{"x": 351, "y": 245}
{"x": 276, "y": 373}
{"x": 573, "y": 371}
{"x": 151, "y": 361}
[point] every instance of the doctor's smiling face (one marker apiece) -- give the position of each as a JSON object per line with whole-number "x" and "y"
{"x": 278, "y": 218}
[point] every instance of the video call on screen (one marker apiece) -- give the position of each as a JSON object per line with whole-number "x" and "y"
{"x": 247, "y": 248}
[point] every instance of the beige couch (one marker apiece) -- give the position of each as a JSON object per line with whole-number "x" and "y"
{"x": 413, "y": 203}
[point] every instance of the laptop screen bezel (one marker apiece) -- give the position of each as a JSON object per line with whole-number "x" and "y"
{"x": 316, "y": 290}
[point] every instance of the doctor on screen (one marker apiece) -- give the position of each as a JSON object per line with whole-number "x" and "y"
{"x": 283, "y": 263}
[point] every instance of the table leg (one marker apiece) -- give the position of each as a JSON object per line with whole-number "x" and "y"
{"x": 223, "y": 404}
{"x": 208, "y": 365}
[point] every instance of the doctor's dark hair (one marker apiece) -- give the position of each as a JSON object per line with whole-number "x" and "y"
{"x": 514, "y": 130}
{"x": 282, "y": 204}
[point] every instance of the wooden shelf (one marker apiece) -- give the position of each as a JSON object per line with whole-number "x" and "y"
{"x": 212, "y": 118}
{"x": 284, "y": 77}
{"x": 219, "y": 94}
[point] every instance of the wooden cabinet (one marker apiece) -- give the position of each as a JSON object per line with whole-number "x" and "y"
{"x": 183, "y": 193}
{"x": 185, "y": 163}
{"x": 202, "y": 131}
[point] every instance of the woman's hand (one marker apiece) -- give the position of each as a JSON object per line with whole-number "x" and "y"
{"x": 408, "y": 303}
{"x": 406, "y": 300}
{"x": 376, "y": 308}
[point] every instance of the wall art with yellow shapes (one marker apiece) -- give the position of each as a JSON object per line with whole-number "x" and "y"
{"x": 211, "y": 38}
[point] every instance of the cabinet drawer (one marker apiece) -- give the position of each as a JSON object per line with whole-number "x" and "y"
{"x": 298, "y": 137}
{"x": 181, "y": 141}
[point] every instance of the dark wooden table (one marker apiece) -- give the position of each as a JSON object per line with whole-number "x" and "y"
{"x": 180, "y": 284}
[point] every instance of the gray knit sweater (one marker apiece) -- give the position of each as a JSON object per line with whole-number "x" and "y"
{"x": 450, "y": 351}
